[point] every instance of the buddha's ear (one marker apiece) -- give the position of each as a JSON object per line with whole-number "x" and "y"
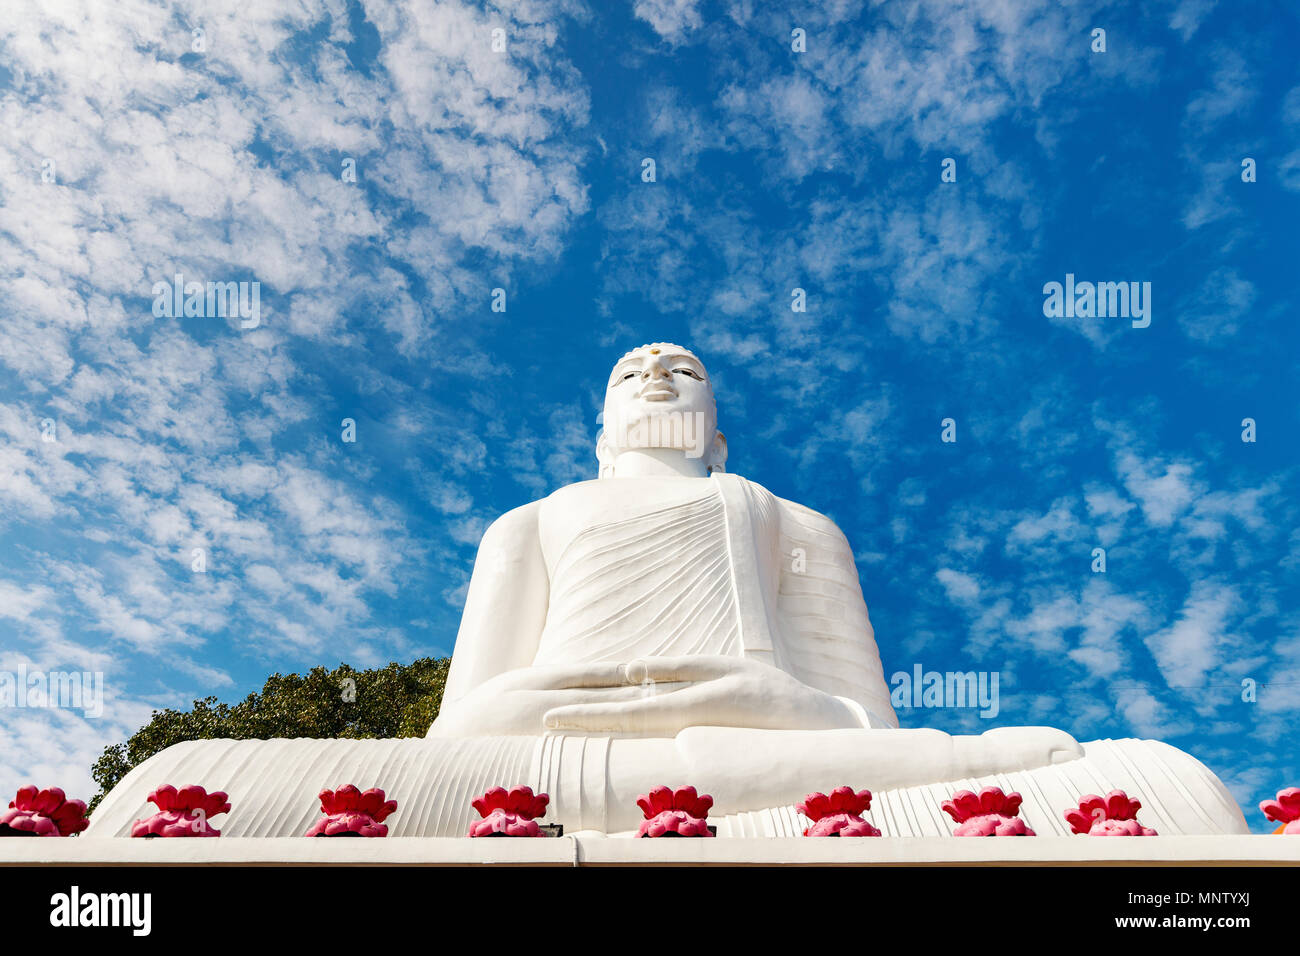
{"x": 605, "y": 456}
{"x": 716, "y": 460}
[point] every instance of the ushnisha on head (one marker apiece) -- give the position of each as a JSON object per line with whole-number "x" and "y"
{"x": 660, "y": 416}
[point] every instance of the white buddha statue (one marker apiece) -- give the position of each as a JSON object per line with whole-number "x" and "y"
{"x": 669, "y": 623}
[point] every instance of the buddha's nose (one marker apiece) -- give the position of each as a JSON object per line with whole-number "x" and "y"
{"x": 655, "y": 370}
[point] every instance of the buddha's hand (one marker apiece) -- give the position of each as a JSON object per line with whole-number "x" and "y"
{"x": 516, "y": 703}
{"x": 673, "y": 693}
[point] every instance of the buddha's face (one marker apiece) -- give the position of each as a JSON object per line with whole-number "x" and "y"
{"x": 660, "y": 397}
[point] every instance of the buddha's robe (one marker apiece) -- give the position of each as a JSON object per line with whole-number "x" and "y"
{"x": 715, "y": 566}
{"x": 721, "y": 567}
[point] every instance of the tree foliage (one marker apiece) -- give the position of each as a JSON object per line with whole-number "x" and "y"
{"x": 393, "y": 701}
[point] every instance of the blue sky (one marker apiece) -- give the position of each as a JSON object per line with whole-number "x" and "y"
{"x": 775, "y": 170}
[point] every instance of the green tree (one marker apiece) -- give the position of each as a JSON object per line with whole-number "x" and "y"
{"x": 393, "y": 701}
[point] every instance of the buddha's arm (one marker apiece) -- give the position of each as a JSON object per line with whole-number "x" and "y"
{"x": 505, "y": 609}
{"x": 830, "y": 641}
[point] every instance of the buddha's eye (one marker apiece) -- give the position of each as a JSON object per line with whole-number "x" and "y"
{"x": 627, "y": 376}
{"x": 688, "y": 371}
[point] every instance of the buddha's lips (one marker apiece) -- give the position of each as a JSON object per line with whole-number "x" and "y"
{"x": 657, "y": 393}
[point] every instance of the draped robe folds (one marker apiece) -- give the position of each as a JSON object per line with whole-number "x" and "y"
{"x": 715, "y": 566}
{"x": 720, "y": 567}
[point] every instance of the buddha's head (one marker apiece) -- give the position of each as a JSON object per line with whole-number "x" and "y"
{"x": 660, "y": 402}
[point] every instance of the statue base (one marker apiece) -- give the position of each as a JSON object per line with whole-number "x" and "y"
{"x": 755, "y": 778}
{"x": 588, "y": 848}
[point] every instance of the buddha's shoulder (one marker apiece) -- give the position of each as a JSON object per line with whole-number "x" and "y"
{"x": 595, "y": 489}
{"x": 602, "y": 490}
{"x": 564, "y": 499}
{"x": 528, "y": 511}
{"x": 512, "y": 524}
{"x": 797, "y": 520}
{"x": 800, "y": 520}
{"x": 576, "y": 489}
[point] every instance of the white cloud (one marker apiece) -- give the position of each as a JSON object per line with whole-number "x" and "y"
{"x": 1163, "y": 490}
{"x": 673, "y": 20}
{"x": 1189, "y": 649}
{"x": 1058, "y": 527}
{"x": 1106, "y": 615}
{"x": 1188, "y": 15}
{"x": 1230, "y": 92}
{"x": 1147, "y": 715}
{"x": 1216, "y": 310}
{"x": 961, "y": 588}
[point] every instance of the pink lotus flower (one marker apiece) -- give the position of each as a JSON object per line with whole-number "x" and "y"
{"x": 348, "y": 810}
{"x": 1285, "y": 809}
{"x": 681, "y": 812}
{"x": 182, "y": 813}
{"x": 839, "y": 814}
{"x": 44, "y": 813}
{"x": 509, "y": 813}
{"x": 991, "y": 813}
{"x": 1116, "y": 815}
